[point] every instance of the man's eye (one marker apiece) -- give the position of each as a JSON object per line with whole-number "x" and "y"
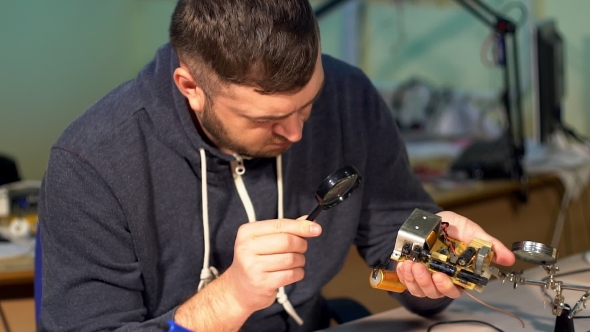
{"x": 260, "y": 121}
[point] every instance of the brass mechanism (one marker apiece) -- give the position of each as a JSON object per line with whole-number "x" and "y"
{"x": 423, "y": 238}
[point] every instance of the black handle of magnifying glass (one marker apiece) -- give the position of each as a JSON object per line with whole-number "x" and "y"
{"x": 315, "y": 213}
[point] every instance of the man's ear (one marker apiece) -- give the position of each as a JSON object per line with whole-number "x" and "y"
{"x": 189, "y": 88}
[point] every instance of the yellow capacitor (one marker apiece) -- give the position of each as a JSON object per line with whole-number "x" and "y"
{"x": 386, "y": 280}
{"x": 431, "y": 240}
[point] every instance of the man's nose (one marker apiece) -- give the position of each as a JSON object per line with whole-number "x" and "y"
{"x": 291, "y": 128}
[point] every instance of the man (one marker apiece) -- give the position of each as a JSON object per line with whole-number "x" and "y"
{"x": 176, "y": 195}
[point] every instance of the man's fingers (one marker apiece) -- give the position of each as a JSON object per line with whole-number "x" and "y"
{"x": 423, "y": 279}
{"x": 405, "y": 273}
{"x": 504, "y": 256}
{"x": 421, "y": 283}
{"x": 282, "y": 262}
{"x": 445, "y": 286}
{"x": 302, "y": 228}
{"x": 279, "y": 243}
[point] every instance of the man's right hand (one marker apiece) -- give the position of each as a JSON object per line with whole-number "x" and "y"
{"x": 268, "y": 254}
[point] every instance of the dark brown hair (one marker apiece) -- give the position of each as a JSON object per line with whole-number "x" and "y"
{"x": 268, "y": 44}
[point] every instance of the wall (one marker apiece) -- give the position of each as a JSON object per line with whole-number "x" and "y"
{"x": 440, "y": 42}
{"x": 58, "y": 57}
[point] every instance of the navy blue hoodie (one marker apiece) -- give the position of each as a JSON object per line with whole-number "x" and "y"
{"x": 121, "y": 208}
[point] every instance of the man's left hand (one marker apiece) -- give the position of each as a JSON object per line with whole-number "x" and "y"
{"x": 421, "y": 283}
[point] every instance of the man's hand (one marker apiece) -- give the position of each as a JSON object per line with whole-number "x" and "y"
{"x": 421, "y": 283}
{"x": 267, "y": 255}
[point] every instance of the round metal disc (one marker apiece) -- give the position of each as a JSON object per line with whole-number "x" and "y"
{"x": 534, "y": 252}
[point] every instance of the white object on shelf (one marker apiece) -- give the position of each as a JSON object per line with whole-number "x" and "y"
{"x": 19, "y": 228}
{"x": 4, "y": 203}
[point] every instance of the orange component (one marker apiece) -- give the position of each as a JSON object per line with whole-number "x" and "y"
{"x": 386, "y": 280}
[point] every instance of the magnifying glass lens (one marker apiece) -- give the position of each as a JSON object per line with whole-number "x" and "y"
{"x": 340, "y": 189}
{"x": 335, "y": 189}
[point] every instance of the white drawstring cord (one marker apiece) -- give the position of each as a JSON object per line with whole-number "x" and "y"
{"x": 208, "y": 273}
{"x": 282, "y": 297}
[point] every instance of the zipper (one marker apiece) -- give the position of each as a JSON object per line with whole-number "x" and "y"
{"x": 239, "y": 169}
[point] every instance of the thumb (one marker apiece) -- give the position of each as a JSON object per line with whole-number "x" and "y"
{"x": 314, "y": 227}
{"x": 504, "y": 256}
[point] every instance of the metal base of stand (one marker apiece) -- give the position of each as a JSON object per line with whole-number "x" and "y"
{"x": 562, "y": 323}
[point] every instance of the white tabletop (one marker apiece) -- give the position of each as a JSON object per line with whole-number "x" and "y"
{"x": 525, "y": 301}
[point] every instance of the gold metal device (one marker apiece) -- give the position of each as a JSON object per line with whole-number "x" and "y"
{"x": 423, "y": 238}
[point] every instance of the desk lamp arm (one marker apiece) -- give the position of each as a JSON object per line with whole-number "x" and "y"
{"x": 506, "y": 28}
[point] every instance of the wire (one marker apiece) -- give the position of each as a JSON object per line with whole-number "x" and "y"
{"x": 558, "y": 187}
{"x": 488, "y": 52}
{"x": 496, "y": 308}
{"x": 561, "y": 217}
{"x": 3, "y": 319}
{"x": 445, "y": 225}
{"x": 463, "y": 322}
{"x": 564, "y": 212}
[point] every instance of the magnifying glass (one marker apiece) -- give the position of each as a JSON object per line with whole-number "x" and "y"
{"x": 534, "y": 252}
{"x": 335, "y": 189}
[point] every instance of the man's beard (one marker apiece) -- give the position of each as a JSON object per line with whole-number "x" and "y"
{"x": 220, "y": 137}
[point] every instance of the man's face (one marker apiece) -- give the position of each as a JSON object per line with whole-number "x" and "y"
{"x": 243, "y": 121}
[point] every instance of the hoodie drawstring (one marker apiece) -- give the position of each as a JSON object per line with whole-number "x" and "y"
{"x": 282, "y": 297}
{"x": 208, "y": 273}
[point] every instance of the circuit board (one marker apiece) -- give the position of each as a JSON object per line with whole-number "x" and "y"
{"x": 464, "y": 263}
{"x": 423, "y": 238}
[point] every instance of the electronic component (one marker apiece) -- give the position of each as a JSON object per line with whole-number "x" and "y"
{"x": 423, "y": 238}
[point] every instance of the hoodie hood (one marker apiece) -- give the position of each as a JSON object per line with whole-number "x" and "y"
{"x": 169, "y": 109}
